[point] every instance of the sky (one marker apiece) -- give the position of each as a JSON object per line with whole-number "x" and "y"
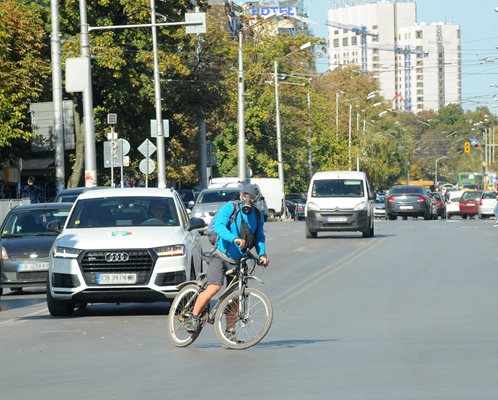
{"x": 479, "y": 36}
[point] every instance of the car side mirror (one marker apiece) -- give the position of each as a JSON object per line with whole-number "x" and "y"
{"x": 54, "y": 226}
{"x": 196, "y": 223}
{"x": 190, "y": 204}
{"x": 372, "y": 196}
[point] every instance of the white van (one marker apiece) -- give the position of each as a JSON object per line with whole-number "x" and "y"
{"x": 339, "y": 201}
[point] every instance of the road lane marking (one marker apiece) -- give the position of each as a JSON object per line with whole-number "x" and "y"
{"x": 22, "y": 318}
{"x": 331, "y": 269}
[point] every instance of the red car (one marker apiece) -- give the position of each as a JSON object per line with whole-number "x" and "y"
{"x": 469, "y": 204}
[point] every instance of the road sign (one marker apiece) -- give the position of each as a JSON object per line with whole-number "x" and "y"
{"x": 125, "y": 146}
{"x": 153, "y": 128}
{"x": 466, "y": 147}
{"x": 199, "y": 19}
{"x": 117, "y": 149}
{"x": 147, "y": 148}
{"x": 147, "y": 166}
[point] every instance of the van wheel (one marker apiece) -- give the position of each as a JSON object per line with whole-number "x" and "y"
{"x": 310, "y": 234}
{"x": 368, "y": 233}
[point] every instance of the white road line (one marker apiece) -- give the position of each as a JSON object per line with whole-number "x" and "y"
{"x": 21, "y": 319}
{"x": 318, "y": 276}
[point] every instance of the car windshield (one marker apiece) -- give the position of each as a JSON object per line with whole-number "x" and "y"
{"x": 218, "y": 196}
{"x": 471, "y": 195}
{"x": 33, "y": 222}
{"x": 337, "y": 188}
{"x": 124, "y": 211}
{"x": 407, "y": 190}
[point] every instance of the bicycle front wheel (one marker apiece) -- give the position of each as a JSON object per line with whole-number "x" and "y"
{"x": 243, "y": 319}
{"x": 180, "y": 310}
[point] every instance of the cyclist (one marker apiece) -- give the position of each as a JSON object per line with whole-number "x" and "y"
{"x": 234, "y": 239}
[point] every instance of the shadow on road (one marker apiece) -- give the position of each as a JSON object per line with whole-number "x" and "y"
{"x": 276, "y": 344}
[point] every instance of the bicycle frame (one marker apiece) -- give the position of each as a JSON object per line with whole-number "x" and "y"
{"x": 239, "y": 282}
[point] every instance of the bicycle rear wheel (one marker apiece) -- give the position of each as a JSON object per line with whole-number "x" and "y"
{"x": 243, "y": 319}
{"x": 180, "y": 309}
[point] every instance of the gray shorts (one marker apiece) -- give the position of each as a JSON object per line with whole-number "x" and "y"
{"x": 216, "y": 270}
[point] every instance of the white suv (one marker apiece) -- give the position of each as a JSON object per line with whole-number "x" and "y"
{"x": 120, "y": 245}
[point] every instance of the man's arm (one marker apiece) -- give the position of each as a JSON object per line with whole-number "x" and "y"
{"x": 221, "y": 223}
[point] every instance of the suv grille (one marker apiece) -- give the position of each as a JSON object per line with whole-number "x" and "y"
{"x": 139, "y": 262}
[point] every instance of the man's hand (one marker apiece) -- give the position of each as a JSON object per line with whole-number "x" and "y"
{"x": 240, "y": 242}
{"x": 264, "y": 260}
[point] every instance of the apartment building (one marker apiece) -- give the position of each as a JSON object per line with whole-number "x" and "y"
{"x": 394, "y": 47}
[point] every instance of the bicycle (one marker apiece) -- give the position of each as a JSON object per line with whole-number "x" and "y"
{"x": 246, "y": 309}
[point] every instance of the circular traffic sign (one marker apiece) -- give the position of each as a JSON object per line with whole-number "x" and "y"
{"x": 147, "y": 166}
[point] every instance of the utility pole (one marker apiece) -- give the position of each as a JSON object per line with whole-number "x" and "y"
{"x": 88, "y": 121}
{"x": 161, "y": 163}
{"x": 241, "y": 119}
{"x": 57, "y": 98}
{"x": 279, "y": 134}
{"x": 310, "y": 154}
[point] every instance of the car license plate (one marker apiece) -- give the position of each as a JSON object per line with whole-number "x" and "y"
{"x": 338, "y": 219}
{"x": 406, "y": 207}
{"x": 32, "y": 266}
{"x": 116, "y": 279}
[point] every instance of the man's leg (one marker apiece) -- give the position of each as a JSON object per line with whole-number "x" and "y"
{"x": 203, "y": 298}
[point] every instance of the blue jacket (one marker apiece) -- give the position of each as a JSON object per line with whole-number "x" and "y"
{"x": 226, "y": 235}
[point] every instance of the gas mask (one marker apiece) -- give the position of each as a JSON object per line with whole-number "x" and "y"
{"x": 247, "y": 203}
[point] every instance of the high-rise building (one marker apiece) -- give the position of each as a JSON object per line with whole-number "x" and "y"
{"x": 394, "y": 47}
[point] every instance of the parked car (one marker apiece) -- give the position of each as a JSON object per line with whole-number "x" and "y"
{"x": 70, "y": 195}
{"x": 408, "y": 201}
{"x": 469, "y": 204}
{"x": 295, "y": 208}
{"x": 188, "y": 197}
{"x": 453, "y": 203}
{"x": 440, "y": 205}
{"x": 487, "y": 204}
{"x": 120, "y": 245}
{"x": 339, "y": 201}
{"x": 25, "y": 243}
{"x": 380, "y": 206}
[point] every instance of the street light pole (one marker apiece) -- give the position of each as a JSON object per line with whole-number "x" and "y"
{"x": 241, "y": 120}
{"x": 88, "y": 121}
{"x": 310, "y": 154}
{"x": 161, "y": 163}
{"x": 279, "y": 137}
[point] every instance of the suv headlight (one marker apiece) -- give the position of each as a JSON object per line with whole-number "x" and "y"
{"x": 66, "y": 252}
{"x": 361, "y": 206}
{"x": 313, "y": 207}
{"x": 170, "y": 251}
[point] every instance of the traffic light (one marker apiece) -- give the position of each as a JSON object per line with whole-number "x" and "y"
{"x": 466, "y": 147}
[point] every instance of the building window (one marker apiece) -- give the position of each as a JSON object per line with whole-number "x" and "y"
{"x": 336, "y": 32}
{"x": 345, "y": 41}
{"x": 354, "y": 41}
{"x": 421, "y": 99}
{"x": 418, "y": 34}
{"x": 375, "y": 38}
{"x": 375, "y": 27}
{"x": 336, "y": 42}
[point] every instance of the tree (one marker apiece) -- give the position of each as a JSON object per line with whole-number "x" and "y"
{"x": 24, "y": 71}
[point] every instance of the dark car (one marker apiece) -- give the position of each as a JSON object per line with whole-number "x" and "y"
{"x": 296, "y": 208}
{"x": 408, "y": 201}
{"x": 70, "y": 195}
{"x": 26, "y": 242}
{"x": 188, "y": 197}
{"x": 440, "y": 205}
{"x": 469, "y": 204}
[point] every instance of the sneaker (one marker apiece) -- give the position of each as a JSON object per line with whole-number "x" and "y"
{"x": 192, "y": 324}
{"x": 230, "y": 335}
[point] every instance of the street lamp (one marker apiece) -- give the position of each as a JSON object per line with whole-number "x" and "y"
{"x": 435, "y": 174}
{"x": 277, "y": 119}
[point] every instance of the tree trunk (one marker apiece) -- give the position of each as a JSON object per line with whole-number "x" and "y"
{"x": 75, "y": 178}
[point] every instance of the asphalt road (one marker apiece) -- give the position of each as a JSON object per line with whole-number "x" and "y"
{"x": 409, "y": 314}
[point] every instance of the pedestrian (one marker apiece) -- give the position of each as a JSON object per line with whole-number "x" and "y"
{"x": 236, "y": 235}
{"x": 31, "y": 191}
{"x": 495, "y": 211}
